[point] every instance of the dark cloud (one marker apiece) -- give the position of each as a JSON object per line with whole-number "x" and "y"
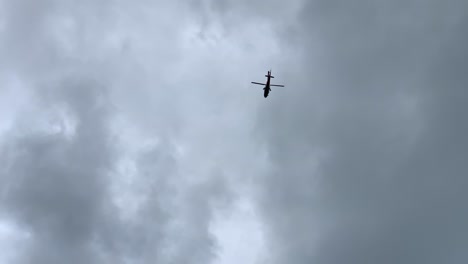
{"x": 56, "y": 187}
{"x": 367, "y": 144}
{"x": 61, "y": 179}
{"x": 60, "y": 189}
{"x": 366, "y": 141}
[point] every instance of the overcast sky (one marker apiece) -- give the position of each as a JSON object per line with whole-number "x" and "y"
{"x": 130, "y": 132}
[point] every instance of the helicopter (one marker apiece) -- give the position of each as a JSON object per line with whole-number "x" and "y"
{"x": 267, "y": 88}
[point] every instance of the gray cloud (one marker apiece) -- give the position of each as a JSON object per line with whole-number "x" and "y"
{"x": 367, "y": 145}
{"x": 140, "y": 127}
{"x": 84, "y": 66}
{"x": 55, "y": 187}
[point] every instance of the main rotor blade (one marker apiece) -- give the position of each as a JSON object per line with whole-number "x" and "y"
{"x": 277, "y": 85}
{"x": 258, "y": 83}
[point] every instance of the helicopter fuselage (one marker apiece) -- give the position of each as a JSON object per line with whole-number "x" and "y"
{"x": 267, "y": 88}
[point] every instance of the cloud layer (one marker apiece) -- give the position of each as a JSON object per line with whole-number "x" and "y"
{"x": 131, "y": 133}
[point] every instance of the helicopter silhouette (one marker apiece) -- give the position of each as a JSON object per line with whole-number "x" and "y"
{"x": 267, "y": 89}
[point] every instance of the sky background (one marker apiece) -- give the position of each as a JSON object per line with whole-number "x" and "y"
{"x": 130, "y": 132}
